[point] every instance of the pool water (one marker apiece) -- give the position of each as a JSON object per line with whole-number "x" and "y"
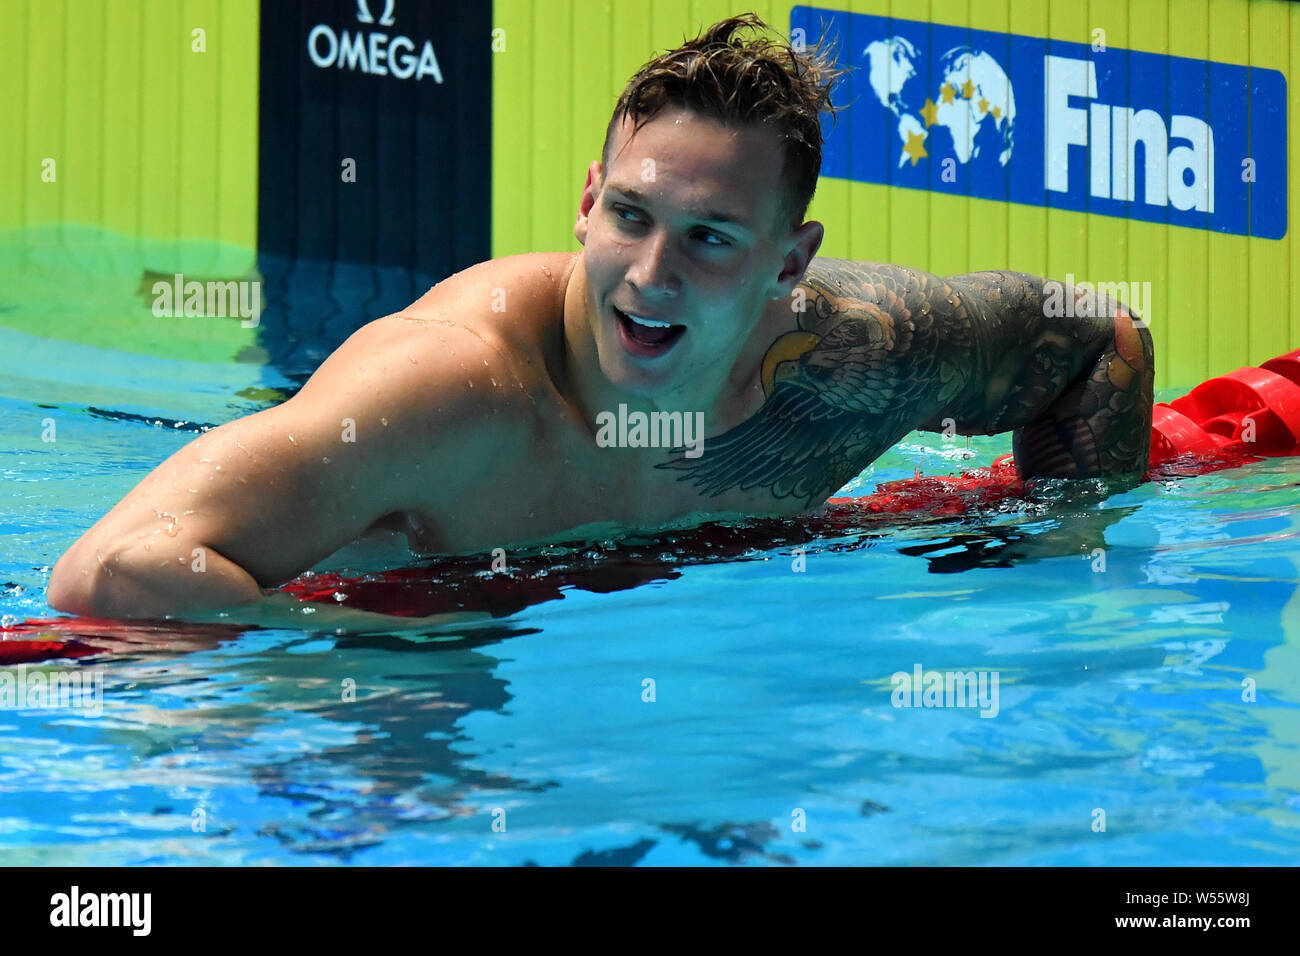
{"x": 729, "y": 710}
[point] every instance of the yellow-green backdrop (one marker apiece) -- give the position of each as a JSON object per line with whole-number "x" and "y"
{"x": 154, "y": 150}
{"x": 1218, "y": 301}
{"x": 151, "y": 138}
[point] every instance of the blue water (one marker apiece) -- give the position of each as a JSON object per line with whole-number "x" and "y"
{"x": 771, "y": 739}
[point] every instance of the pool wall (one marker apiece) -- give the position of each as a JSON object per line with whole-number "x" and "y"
{"x": 223, "y": 140}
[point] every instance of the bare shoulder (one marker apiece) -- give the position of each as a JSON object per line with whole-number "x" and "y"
{"x": 448, "y": 379}
{"x": 515, "y": 287}
{"x": 496, "y": 312}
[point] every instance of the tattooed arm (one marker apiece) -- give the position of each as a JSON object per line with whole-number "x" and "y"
{"x": 1075, "y": 391}
{"x": 882, "y": 350}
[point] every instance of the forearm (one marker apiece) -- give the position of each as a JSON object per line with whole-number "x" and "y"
{"x": 1072, "y": 382}
{"x": 126, "y": 582}
{"x": 1100, "y": 427}
{"x": 206, "y": 589}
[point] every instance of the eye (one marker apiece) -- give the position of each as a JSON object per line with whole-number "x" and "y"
{"x": 722, "y": 242}
{"x": 619, "y": 210}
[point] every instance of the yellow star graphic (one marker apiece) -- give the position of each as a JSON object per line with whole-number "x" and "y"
{"x": 945, "y": 93}
{"x": 915, "y": 147}
{"x": 984, "y": 105}
{"x": 930, "y": 112}
{"x": 997, "y": 114}
{"x": 968, "y": 89}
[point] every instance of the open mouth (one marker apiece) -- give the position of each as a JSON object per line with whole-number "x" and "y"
{"x": 647, "y": 338}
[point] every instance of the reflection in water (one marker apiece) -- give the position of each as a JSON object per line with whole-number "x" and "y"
{"x": 732, "y": 842}
{"x": 403, "y": 725}
{"x": 1006, "y": 546}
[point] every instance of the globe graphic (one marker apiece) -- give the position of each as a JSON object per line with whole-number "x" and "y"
{"x": 974, "y": 90}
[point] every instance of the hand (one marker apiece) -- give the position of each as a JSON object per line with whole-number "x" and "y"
{"x": 1100, "y": 427}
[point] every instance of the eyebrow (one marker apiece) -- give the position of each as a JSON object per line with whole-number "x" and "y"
{"x": 705, "y": 215}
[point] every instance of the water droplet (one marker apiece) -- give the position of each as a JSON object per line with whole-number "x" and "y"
{"x": 384, "y": 422}
{"x": 547, "y": 272}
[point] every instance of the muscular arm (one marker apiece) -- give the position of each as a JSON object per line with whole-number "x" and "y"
{"x": 1075, "y": 391}
{"x": 256, "y": 501}
{"x": 882, "y": 350}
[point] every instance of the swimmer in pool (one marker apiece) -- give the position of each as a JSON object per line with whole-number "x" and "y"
{"x": 528, "y": 397}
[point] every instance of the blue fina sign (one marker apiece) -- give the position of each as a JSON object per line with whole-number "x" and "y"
{"x": 1043, "y": 122}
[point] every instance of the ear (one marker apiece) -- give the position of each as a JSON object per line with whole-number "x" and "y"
{"x": 595, "y": 176}
{"x": 806, "y": 240}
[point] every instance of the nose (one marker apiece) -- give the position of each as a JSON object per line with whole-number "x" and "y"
{"x": 653, "y": 272}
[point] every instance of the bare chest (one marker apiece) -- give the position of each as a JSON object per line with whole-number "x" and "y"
{"x": 569, "y": 486}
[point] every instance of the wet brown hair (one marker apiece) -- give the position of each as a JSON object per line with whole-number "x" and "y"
{"x": 762, "y": 82}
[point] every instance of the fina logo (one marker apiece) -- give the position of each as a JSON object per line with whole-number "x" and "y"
{"x": 975, "y": 91}
{"x": 1112, "y": 133}
{"x": 373, "y": 53}
{"x": 1103, "y": 131}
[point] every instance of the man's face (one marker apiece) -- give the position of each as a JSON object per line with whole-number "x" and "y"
{"x": 680, "y": 231}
